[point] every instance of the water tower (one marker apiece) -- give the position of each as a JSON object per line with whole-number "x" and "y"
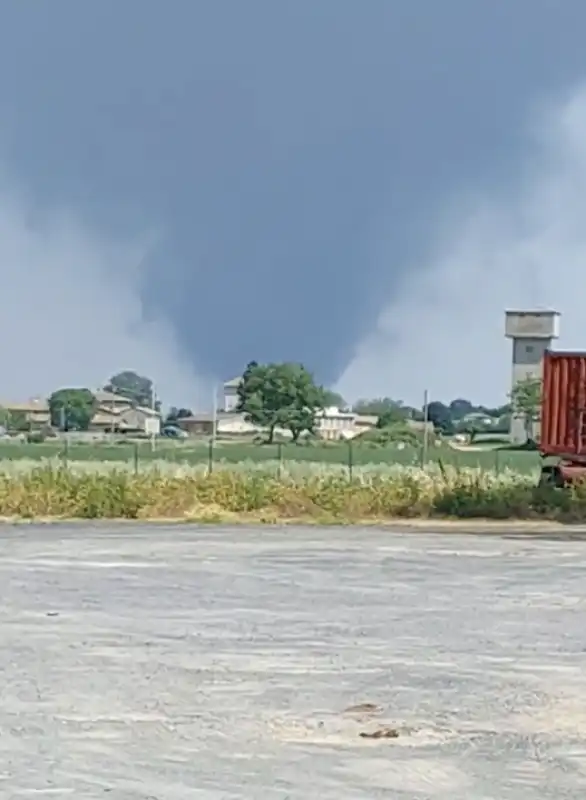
{"x": 532, "y": 333}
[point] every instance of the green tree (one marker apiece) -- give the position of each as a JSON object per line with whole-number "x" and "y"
{"x": 439, "y": 414}
{"x": 280, "y": 395}
{"x": 377, "y": 406}
{"x": 72, "y": 409}
{"x": 334, "y": 399}
{"x": 526, "y": 403}
{"x": 17, "y": 422}
{"x": 395, "y": 414}
{"x": 134, "y": 387}
{"x": 176, "y": 414}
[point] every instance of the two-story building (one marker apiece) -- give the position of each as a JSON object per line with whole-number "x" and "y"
{"x": 34, "y": 412}
{"x": 115, "y": 413}
{"x": 230, "y": 403}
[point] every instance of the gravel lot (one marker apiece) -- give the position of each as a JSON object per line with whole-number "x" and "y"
{"x": 174, "y": 662}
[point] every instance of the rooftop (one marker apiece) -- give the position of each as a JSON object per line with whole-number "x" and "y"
{"x": 233, "y": 383}
{"x": 102, "y": 396}
{"x": 35, "y": 404}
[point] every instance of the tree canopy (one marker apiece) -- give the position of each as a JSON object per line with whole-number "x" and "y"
{"x": 333, "y": 399}
{"x": 280, "y": 395}
{"x": 134, "y": 387}
{"x": 526, "y": 403}
{"x": 439, "y": 414}
{"x": 177, "y": 413}
{"x": 72, "y": 409}
{"x": 375, "y": 406}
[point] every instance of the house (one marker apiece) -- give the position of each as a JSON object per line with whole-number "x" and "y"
{"x": 231, "y": 394}
{"x": 477, "y": 418}
{"x": 227, "y": 423}
{"x": 140, "y": 419}
{"x": 364, "y": 422}
{"x": 115, "y": 413}
{"x": 110, "y": 399}
{"x": 333, "y": 424}
{"x": 35, "y": 412}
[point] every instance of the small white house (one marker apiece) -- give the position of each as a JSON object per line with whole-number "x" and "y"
{"x": 231, "y": 394}
{"x": 335, "y": 424}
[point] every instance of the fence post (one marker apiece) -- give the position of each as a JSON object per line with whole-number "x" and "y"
{"x": 211, "y": 456}
{"x": 280, "y": 460}
{"x": 135, "y": 454}
{"x": 65, "y": 453}
{"x": 350, "y": 461}
{"x": 496, "y": 461}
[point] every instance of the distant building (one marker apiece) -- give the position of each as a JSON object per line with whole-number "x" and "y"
{"x": 228, "y": 424}
{"x": 125, "y": 418}
{"x": 332, "y": 424}
{"x": 532, "y": 333}
{"x": 111, "y": 399}
{"x": 231, "y": 395}
{"x": 35, "y": 412}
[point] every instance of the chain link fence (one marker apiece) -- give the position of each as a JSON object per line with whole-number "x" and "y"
{"x": 211, "y": 455}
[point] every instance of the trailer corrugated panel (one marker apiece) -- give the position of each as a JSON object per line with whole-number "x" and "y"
{"x": 563, "y": 408}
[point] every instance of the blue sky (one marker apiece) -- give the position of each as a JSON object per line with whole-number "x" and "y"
{"x": 363, "y": 187}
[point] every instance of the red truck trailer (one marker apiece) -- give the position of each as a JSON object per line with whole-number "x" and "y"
{"x": 563, "y": 418}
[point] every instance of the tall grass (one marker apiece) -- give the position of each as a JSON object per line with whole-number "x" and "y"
{"x": 261, "y": 493}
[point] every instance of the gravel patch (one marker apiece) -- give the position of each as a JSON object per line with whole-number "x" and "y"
{"x": 168, "y": 662}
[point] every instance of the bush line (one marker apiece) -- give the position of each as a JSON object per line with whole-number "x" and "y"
{"x": 59, "y": 493}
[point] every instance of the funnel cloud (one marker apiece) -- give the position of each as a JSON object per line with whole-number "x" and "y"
{"x": 192, "y": 185}
{"x": 521, "y": 247}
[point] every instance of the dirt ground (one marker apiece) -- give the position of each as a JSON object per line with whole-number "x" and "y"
{"x": 176, "y": 662}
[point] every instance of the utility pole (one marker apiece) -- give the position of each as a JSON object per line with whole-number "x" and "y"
{"x": 214, "y": 414}
{"x": 425, "y": 428}
{"x": 154, "y": 418}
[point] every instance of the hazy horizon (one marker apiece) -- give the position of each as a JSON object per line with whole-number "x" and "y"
{"x": 365, "y": 189}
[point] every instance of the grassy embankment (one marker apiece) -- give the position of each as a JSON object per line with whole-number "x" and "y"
{"x": 270, "y": 493}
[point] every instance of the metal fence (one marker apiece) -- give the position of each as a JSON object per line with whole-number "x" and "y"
{"x": 213, "y": 454}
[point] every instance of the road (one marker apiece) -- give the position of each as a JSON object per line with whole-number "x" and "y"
{"x": 214, "y": 663}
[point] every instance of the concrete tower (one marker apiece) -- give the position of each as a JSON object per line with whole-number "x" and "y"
{"x": 532, "y": 333}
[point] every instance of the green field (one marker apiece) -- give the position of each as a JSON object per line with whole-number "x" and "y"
{"x": 344, "y": 454}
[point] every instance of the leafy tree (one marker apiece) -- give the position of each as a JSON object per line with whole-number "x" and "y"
{"x": 177, "y": 413}
{"x": 439, "y": 414}
{"x": 398, "y": 433}
{"x": 135, "y": 388}
{"x": 334, "y": 399}
{"x": 526, "y": 403}
{"x": 393, "y": 415}
{"x": 375, "y": 406}
{"x": 460, "y": 408}
{"x": 280, "y": 395}
{"x": 72, "y": 409}
{"x": 18, "y": 422}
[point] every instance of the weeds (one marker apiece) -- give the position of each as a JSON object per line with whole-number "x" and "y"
{"x": 53, "y": 491}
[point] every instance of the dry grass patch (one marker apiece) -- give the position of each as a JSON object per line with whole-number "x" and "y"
{"x": 52, "y": 491}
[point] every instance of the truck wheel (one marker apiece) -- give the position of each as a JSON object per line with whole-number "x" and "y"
{"x": 550, "y": 478}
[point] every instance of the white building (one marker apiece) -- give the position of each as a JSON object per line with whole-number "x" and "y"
{"x": 531, "y": 333}
{"x": 231, "y": 394}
